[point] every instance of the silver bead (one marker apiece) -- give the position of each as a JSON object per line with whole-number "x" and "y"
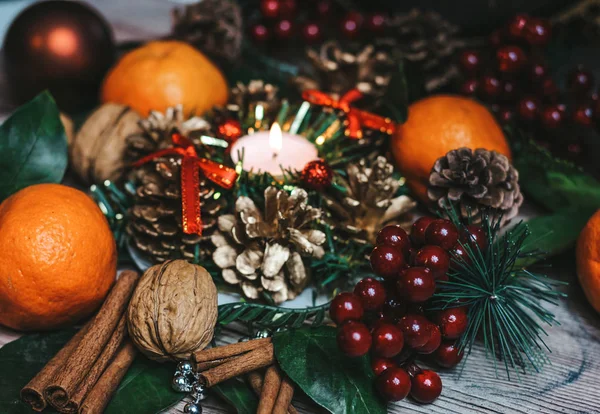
{"x": 185, "y": 367}
{"x": 262, "y": 334}
{"x": 192, "y": 408}
{"x": 198, "y": 393}
{"x": 181, "y": 384}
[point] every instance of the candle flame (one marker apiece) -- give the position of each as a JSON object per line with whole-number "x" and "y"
{"x": 275, "y": 138}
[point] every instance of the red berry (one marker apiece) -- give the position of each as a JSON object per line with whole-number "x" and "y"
{"x": 416, "y": 330}
{"x": 583, "y": 115}
{"x": 549, "y": 89}
{"x": 447, "y": 355}
{"x": 387, "y": 261}
{"x": 394, "y": 236}
{"x": 354, "y": 339}
{"x": 505, "y": 115}
{"x": 312, "y": 32}
{"x": 528, "y": 108}
{"x": 537, "y": 32}
{"x": 470, "y": 87}
{"x": 426, "y": 386}
{"x": 474, "y": 235}
{"x": 470, "y": 61}
{"x": 460, "y": 257}
{"x": 434, "y": 258}
{"x": 284, "y": 29}
{"x": 433, "y": 343}
{"x": 442, "y": 233}
{"x": 371, "y": 293}
{"x": 581, "y": 81}
{"x": 509, "y": 91}
{"x": 394, "y": 309}
{"x": 260, "y": 33}
{"x": 417, "y": 233}
{"x": 379, "y": 364}
{"x": 351, "y": 24}
{"x": 270, "y": 8}
{"x": 388, "y": 340}
{"x": 324, "y": 8}
{"x": 490, "y": 86}
{"x": 453, "y": 322}
{"x": 288, "y": 8}
{"x": 346, "y": 307}
{"x": 416, "y": 284}
{"x": 516, "y": 27}
{"x": 511, "y": 59}
{"x": 538, "y": 72}
{"x": 376, "y": 22}
{"x": 393, "y": 384}
{"x": 552, "y": 117}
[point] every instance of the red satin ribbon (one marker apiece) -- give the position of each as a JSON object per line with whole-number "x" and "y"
{"x": 191, "y": 165}
{"x": 357, "y": 118}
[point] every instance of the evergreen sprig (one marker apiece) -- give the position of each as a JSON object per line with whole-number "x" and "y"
{"x": 270, "y": 317}
{"x": 505, "y": 301}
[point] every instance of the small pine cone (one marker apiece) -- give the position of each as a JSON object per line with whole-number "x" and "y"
{"x": 155, "y": 225}
{"x": 212, "y": 26}
{"x": 474, "y": 182}
{"x": 156, "y": 130}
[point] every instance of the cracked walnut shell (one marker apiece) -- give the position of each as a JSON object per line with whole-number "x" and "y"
{"x": 173, "y": 311}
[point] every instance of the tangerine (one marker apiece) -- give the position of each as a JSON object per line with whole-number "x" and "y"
{"x": 58, "y": 258}
{"x": 588, "y": 260}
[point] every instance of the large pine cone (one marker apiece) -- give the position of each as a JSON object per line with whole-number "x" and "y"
{"x": 155, "y": 224}
{"x": 476, "y": 181}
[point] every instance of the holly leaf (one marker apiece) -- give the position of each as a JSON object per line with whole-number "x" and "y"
{"x": 238, "y": 395}
{"x": 311, "y": 358}
{"x": 33, "y": 146}
{"x": 145, "y": 388}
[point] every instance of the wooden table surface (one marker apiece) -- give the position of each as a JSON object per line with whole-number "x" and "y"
{"x": 570, "y": 384}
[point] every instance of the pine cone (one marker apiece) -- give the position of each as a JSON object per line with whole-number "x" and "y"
{"x": 212, "y": 26}
{"x": 429, "y": 41}
{"x": 155, "y": 225}
{"x": 263, "y": 252}
{"x": 368, "y": 202}
{"x": 474, "y": 182}
{"x": 336, "y": 71}
{"x": 157, "y": 128}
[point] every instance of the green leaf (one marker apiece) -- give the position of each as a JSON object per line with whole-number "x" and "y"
{"x": 554, "y": 233}
{"x": 311, "y": 358}
{"x": 146, "y": 387}
{"x": 33, "y": 146}
{"x": 238, "y": 395}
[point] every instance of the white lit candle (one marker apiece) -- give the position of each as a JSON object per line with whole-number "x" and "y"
{"x": 270, "y": 151}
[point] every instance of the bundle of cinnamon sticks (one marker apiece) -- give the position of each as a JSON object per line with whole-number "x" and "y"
{"x": 83, "y": 375}
{"x": 249, "y": 358}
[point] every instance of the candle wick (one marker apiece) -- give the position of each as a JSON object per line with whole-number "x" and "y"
{"x": 275, "y": 154}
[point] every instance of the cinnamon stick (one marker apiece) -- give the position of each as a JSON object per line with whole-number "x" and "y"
{"x": 250, "y": 361}
{"x": 113, "y": 345}
{"x": 255, "y": 379}
{"x": 203, "y": 366}
{"x": 284, "y": 398}
{"x": 33, "y": 392}
{"x": 101, "y": 394}
{"x": 226, "y": 351}
{"x": 79, "y": 363}
{"x": 269, "y": 391}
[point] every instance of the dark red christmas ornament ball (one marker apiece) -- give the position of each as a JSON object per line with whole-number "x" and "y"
{"x": 270, "y": 8}
{"x": 312, "y": 32}
{"x": 63, "y": 46}
{"x": 317, "y": 175}
{"x": 351, "y": 24}
{"x": 230, "y": 130}
{"x": 260, "y": 33}
{"x": 510, "y": 59}
{"x": 284, "y": 29}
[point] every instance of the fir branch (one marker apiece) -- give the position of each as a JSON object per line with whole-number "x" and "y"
{"x": 270, "y": 317}
{"x": 506, "y": 302}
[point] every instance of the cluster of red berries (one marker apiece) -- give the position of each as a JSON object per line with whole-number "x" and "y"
{"x": 512, "y": 76}
{"x": 388, "y": 317}
{"x": 279, "y": 21}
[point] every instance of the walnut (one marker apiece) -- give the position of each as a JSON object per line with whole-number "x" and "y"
{"x": 97, "y": 150}
{"x": 173, "y": 311}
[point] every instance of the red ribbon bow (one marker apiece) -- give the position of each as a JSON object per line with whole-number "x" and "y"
{"x": 357, "y": 118}
{"x": 191, "y": 164}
